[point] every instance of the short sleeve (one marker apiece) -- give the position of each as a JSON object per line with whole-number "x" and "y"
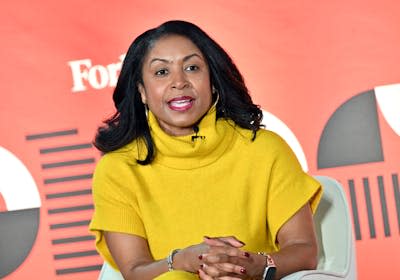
{"x": 289, "y": 188}
{"x": 115, "y": 204}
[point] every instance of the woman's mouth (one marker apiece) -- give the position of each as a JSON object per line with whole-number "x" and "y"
{"x": 182, "y": 103}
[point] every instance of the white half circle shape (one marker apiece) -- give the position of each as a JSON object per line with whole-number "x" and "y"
{"x": 17, "y": 186}
{"x": 274, "y": 124}
{"x": 388, "y": 99}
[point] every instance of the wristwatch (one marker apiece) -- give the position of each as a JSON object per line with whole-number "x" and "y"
{"x": 270, "y": 269}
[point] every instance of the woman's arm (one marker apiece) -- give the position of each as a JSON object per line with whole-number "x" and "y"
{"x": 298, "y": 244}
{"x": 132, "y": 255}
{"x": 298, "y": 251}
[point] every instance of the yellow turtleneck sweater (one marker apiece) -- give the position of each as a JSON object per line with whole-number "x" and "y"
{"x": 220, "y": 185}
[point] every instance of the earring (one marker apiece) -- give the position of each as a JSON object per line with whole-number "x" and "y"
{"x": 215, "y": 93}
{"x": 146, "y": 110}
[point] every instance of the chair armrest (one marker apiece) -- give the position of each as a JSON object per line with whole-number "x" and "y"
{"x": 314, "y": 275}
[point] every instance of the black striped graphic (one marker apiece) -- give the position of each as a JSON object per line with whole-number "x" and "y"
{"x": 367, "y": 185}
{"x": 65, "y": 148}
{"x": 67, "y": 163}
{"x": 67, "y": 178}
{"x": 51, "y": 134}
{"x": 368, "y": 203}
{"x": 68, "y": 194}
{"x": 78, "y": 269}
{"x": 73, "y": 239}
{"x": 382, "y": 196}
{"x": 395, "y": 180}
{"x": 75, "y": 255}
{"x": 68, "y": 198}
{"x": 354, "y": 207}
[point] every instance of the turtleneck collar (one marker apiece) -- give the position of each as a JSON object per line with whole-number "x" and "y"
{"x": 183, "y": 152}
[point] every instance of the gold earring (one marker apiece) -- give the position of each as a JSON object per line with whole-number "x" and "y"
{"x": 216, "y": 99}
{"x": 146, "y": 110}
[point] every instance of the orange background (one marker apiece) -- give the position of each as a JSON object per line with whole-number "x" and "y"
{"x": 301, "y": 60}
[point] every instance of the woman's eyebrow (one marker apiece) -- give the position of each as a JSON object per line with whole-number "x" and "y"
{"x": 159, "y": 59}
{"x": 191, "y": 55}
{"x": 169, "y": 61}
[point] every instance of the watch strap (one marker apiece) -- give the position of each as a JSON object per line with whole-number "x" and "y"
{"x": 270, "y": 267}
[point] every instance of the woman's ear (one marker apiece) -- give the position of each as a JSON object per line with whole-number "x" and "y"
{"x": 142, "y": 92}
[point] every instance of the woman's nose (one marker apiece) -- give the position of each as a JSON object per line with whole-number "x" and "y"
{"x": 179, "y": 80}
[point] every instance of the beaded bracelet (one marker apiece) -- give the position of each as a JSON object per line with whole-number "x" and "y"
{"x": 170, "y": 259}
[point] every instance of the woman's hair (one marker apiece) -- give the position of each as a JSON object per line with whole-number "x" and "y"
{"x": 130, "y": 121}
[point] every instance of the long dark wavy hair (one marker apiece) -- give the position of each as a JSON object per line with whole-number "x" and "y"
{"x": 130, "y": 121}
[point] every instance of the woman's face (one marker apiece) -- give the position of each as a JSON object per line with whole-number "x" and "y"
{"x": 176, "y": 84}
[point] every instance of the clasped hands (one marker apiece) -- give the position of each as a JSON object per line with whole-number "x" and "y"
{"x": 222, "y": 258}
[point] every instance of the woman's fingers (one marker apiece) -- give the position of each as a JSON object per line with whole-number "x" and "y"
{"x": 204, "y": 275}
{"x": 225, "y": 240}
{"x": 232, "y": 240}
{"x": 223, "y": 253}
{"x": 231, "y": 268}
{"x": 223, "y": 269}
{"x": 222, "y": 258}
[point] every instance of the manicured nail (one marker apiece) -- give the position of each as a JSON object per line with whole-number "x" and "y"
{"x": 243, "y": 270}
{"x": 200, "y": 257}
{"x": 246, "y": 254}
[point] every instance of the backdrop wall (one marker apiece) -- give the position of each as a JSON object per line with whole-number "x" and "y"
{"x": 328, "y": 70}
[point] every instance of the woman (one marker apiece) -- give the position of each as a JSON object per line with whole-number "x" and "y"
{"x": 190, "y": 187}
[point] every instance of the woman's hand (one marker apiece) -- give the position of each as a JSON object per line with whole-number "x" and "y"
{"x": 226, "y": 261}
{"x": 191, "y": 258}
{"x": 298, "y": 251}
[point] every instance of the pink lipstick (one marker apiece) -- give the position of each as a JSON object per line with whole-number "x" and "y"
{"x": 181, "y": 103}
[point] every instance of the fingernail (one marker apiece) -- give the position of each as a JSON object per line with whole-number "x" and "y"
{"x": 246, "y": 254}
{"x": 243, "y": 270}
{"x": 200, "y": 257}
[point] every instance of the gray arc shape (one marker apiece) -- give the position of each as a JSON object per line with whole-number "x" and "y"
{"x": 18, "y": 232}
{"x": 352, "y": 134}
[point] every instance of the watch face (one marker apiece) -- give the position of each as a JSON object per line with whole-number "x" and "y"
{"x": 269, "y": 273}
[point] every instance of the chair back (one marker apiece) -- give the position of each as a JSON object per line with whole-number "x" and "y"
{"x": 337, "y": 257}
{"x": 109, "y": 273}
{"x": 334, "y": 230}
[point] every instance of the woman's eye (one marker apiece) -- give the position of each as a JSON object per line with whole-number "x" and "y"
{"x": 161, "y": 72}
{"x": 192, "y": 68}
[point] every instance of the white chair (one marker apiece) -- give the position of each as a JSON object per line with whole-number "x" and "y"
{"x": 337, "y": 259}
{"x": 109, "y": 273}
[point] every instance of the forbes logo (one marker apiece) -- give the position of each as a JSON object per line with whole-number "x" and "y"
{"x": 86, "y": 75}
